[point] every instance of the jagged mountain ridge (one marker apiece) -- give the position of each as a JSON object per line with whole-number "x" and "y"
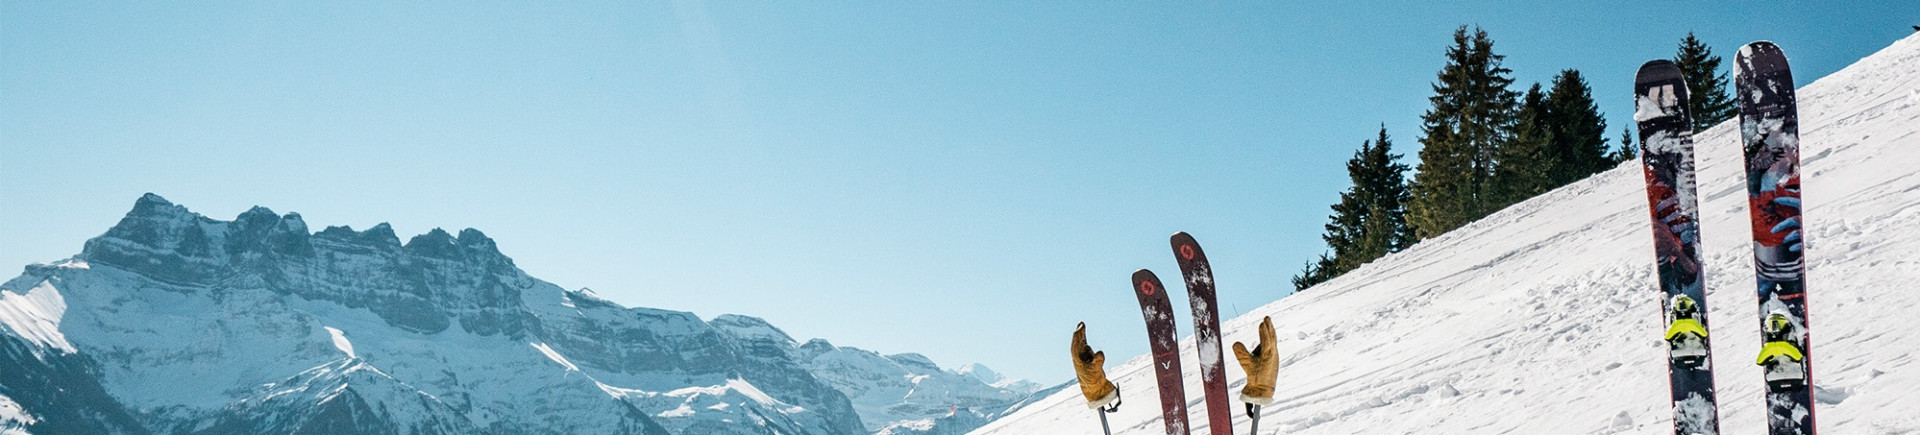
{"x": 172, "y": 322}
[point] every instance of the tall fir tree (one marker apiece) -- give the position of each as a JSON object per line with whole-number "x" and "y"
{"x": 1387, "y": 229}
{"x": 1370, "y": 220}
{"x": 1525, "y": 160}
{"x": 1707, "y": 98}
{"x": 1472, "y": 110}
{"x": 1578, "y": 142}
{"x": 1626, "y": 151}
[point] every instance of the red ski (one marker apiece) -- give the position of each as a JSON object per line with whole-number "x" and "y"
{"x": 1163, "y": 343}
{"x": 1206, "y": 331}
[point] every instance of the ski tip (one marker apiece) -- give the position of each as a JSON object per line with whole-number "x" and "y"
{"x": 1761, "y": 59}
{"x": 1184, "y": 247}
{"x": 1657, "y": 70}
{"x": 1145, "y": 283}
{"x": 1760, "y": 49}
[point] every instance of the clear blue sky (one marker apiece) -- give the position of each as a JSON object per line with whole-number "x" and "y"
{"x": 961, "y": 179}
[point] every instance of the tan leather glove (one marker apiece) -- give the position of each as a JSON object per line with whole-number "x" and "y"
{"x": 1262, "y": 366}
{"x": 1090, "y": 367}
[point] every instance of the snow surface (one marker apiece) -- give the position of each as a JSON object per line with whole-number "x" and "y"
{"x": 555, "y": 356}
{"x": 340, "y": 341}
{"x": 13, "y": 419}
{"x": 36, "y": 315}
{"x": 1544, "y": 317}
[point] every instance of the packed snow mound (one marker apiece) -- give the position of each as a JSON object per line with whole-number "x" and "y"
{"x": 1545, "y": 317}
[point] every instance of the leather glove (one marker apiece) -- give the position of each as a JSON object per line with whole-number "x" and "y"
{"x": 1262, "y": 366}
{"x": 1089, "y": 367}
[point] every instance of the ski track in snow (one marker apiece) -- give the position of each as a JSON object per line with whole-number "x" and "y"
{"x": 1545, "y": 317}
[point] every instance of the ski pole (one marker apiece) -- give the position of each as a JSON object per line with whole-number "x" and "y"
{"x": 1104, "y": 410}
{"x": 1253, "y": 412}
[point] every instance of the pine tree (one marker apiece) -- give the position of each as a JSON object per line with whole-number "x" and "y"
{"x": 1472, "y": 111}
{"x": 1370, "y": 220}
{"x": 1524, "y": 160}
{"x": 1579, "y": 142}
{"x": 1313, "y": 274}
{"x": 1387, "y": 231}
{"x": 1707, "y": 97}
{"x": 1626, "y": 151}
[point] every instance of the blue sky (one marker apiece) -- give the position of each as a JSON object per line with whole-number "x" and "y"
{"x": 964, "y": 180}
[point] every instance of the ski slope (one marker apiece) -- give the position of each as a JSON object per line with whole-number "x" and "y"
{"x": 1544, "y": 318}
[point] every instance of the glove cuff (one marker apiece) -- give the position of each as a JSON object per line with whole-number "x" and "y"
{"x": 1262, "y": 401}
{"x": 1104, "y": 401}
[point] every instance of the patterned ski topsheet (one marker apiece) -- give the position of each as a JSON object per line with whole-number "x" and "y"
{"x": 1666, "y": 155}
{"x": 1206, "y": 331}
{"x": 1163, "y": 342}
{"x": 1770, "y": 130}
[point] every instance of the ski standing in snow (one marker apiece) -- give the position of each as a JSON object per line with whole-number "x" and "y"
{"x": 1162, "y": 342}
{"x": 1206, "y": 331}
{"x": 1666, "y": 154}
{"x": 1770, "y": 133}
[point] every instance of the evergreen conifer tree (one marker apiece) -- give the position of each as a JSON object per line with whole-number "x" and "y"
{"x": 1387, "y": 231}
{"x": 1579, "y": 142}
{"x": 1472, "y": 110}
{"x": 1626, "y": 151}
{"x": 1313, "y": 274}
{"x": 1524, "y": 159}
{"x": 1707, "y": 97}
{"x": 1370, "y": 220}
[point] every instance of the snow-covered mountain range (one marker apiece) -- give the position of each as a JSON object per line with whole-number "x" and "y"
{"x": 1544, "y": 318}
{"x": 907, "y": 393}
{"x": 173, "y": 322}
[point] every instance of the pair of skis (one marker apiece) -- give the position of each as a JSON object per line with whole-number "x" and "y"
{"x": 1163, "y": 343}
{"x": 1769, "y": 128}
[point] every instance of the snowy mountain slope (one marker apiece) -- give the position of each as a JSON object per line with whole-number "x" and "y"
{"x": 998, "y": 380}
{"x": 1544, "y": 317}
{"x": 896, "y": 392}
{"x": 173, "y": 322}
